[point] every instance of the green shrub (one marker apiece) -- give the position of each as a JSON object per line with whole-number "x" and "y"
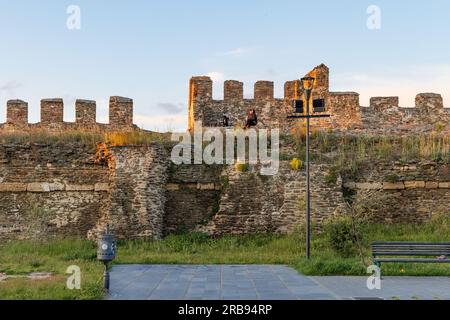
{"x": 332, "y": 175}
{"x": 225, "y": 181}
{"x": 342, "y": 235}
{"x": 241, "y": 167}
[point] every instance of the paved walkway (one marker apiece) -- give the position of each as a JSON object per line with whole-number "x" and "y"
{"x": 266, "y": 282}
{"x": 392, "y": 288}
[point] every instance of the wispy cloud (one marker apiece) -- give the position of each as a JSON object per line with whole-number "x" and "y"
{"x": 162, "y": 123}
{"x": 10, "y": 86}
{"x": 237, "y": 52}
{"x": 170, "y": 107}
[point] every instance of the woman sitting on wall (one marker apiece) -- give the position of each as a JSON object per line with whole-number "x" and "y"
{"x": 226, "y": 120}
{"x": 252, "y": 119}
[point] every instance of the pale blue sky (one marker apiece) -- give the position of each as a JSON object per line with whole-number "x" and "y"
{"x": 148, "y": 50}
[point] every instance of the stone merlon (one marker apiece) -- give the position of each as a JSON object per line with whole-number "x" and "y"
{"x": 52, "y": 114}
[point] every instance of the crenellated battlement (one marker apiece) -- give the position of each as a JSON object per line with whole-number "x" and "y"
{"x": 384, "y": 113}
{"x": 272, "y": 111}
{"x": 201, "y": 87}
{"x": 52, "y": 115}
{"x": 424, "y": 101}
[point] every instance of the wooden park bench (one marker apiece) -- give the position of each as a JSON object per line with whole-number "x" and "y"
{"x": 413, "y": 252}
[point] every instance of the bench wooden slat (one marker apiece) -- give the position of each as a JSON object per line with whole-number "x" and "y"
{"x": 410, "y": 247}
{"x": 413, "y": 260}
{"x": 411, "y": 243}
{"x": 401, "y": 253}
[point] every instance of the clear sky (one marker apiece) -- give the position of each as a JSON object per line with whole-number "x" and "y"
{"x": 148, "y": 50}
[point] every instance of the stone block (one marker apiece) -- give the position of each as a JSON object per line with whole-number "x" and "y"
{"x": 13, "y": 187}
{"x": 369, "y": 185}
{"x": 57, "y": 186}
{"x": 38, "y": 187}
{"x": 350, "y": 185}
{"x": 414, "y": 184}
{"x": 393, "y": 185}
{"x": 101, "y": 187}
{"x": 79, "y": 187}
{"x": 205, "y": 186}
{"x": 444, "y": 185}
{"x": 172, "y": 186}
{"x": 432, "y": 185}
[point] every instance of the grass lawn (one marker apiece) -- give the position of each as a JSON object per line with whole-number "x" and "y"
{"x": 23, "y": 257}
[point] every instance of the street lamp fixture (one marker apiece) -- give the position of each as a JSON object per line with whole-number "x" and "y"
{"x": 307, "y": 85}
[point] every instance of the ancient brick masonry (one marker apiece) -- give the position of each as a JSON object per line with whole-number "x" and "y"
{"x": 381, "y": 104}
{"x": 263, "y": 90}
{"x": 85, "y": 112}
{"x": 120, "y": 112}
{"x": 71, "y": 190}
{"x": 250, "y": 203}
{"x": 138, "y": 191}
{"x": 17, "y": 113}
{"x": 234, "y": 90}
{"x": 52, "y": 115}
{"x": 50, "y": 190}
{"x": 403, "y": 192}
{"x": 52, "y": 111}
{"x": 193, "y": 193}
{"x": 430, "y": 102}
{"x": 383, "y": 115}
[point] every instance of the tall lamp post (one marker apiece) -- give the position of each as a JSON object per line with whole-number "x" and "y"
{"x": 307, "y": 85}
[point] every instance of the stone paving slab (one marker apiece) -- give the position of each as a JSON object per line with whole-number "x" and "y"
{"x": 260, "y": 282}
{"x": 392, "y": 288}
{"x": 212, "y": 282}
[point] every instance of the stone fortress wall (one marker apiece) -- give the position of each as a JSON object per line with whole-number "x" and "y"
{"x": 384, "y": 115}
{"x": 52, "y": 113}
{"x": 62, "y": 189}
